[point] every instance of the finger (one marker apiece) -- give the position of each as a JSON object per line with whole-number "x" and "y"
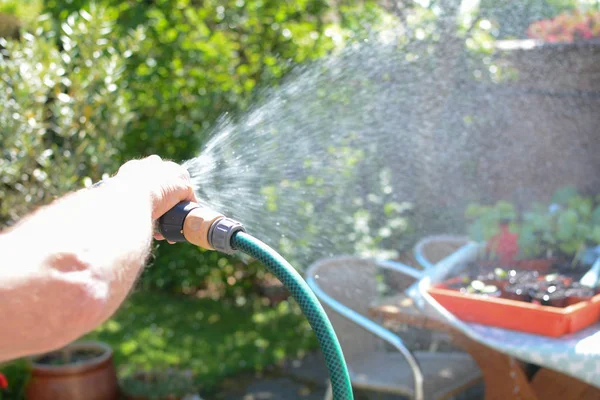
{"x": 191, "y": 195}
{"x": 127, "y": 166}
{"x": 170, "y": 242}
{"x": 154, "y": 158}
{"x": 158, "y": 236}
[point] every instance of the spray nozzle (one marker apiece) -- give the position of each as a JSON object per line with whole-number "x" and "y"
{"x": 193, "y": 223}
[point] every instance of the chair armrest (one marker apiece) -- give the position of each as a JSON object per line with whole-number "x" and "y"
{"x": 376, "y": 330}
{"x": 419, "y": 253}
{"x": 400, "y": 268}
{"x": 415, "y": 275}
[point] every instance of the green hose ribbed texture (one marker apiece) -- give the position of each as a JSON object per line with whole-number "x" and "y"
{"x": 310, "y": 305}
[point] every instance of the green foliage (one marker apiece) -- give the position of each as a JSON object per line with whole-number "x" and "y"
{"x": 186, "y": 269}
{"x": 17, "y": 374}
{"x": 199, "y": 61}
{"x": 535, "y": 233}
{"x": 486, "y": 220}
{"x": 158, "y": 385}
{"x": 24, "y": 11}
{"x": 64, "y": 111}
{"x": 224, "y": 53}
{"x": 567, "y": 226}
{"x": 564, "y": 228}
{"x": 147, "y": 77}
{"x": 213, "y": 339}
{"x": 367, "y": 222}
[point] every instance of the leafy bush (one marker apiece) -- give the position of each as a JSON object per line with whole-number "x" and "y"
{"x": 179, "y": 66}
{"x": 126, "y": 79}
{"x": 198, "y": 61}
{"x": 64, "y": 110}
{"x": 567, "y": 27}
{"x": 15, "y": 14}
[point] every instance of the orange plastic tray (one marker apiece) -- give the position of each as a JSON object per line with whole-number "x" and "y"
{"x": 518, "y": 315}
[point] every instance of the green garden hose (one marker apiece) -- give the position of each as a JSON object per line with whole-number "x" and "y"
{"x": 190, "y": 222}
{"x": 312, "y": 309}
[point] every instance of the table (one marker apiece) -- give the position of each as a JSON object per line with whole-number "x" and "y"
{"x": 504, "y": 376}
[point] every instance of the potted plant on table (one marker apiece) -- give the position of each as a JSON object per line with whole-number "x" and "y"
{"x": 80, "y": 370}
{"x": 529, "y": 264}
{"x": 567, "y": 231}
{"x": 498, "y": 227}
{"x": 563, "y": 236}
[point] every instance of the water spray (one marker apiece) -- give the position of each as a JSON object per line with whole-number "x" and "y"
{"x": 206, "y": 228}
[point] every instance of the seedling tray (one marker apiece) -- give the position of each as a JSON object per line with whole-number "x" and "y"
{"x": 507, "y": 313}
{"x": 518, "y": 315}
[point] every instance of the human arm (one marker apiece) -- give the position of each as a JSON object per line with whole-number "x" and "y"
{"x": 67, "y": 267}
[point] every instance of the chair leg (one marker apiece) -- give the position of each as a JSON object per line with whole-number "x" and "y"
{"x": 329, "y": 392}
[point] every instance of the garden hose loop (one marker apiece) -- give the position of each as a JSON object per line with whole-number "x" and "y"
{"x": 310, "y": 305}
{"x": 211, "y": 230}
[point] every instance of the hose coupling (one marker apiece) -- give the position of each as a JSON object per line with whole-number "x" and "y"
{"x": 199, "y": 225}
{"x": 221, "y": 232}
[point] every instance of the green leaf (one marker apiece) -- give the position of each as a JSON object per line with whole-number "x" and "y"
{"x": 595, "y": 236}
{"x": 564, "y": 194}
{"x": 567, "y": 225}
{"x": 595, "y": 217}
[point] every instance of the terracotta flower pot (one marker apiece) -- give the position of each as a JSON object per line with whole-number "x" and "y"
{"x": 81, "y": 370}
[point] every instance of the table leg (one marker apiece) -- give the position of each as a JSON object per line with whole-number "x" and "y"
{"x": 503, "y": 376}
{"x": 552, "y": 385}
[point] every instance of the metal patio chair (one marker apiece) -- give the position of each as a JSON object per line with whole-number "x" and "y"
{"x": 347, "y": 286}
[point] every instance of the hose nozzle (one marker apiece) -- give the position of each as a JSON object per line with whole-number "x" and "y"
{"x": 193, "y": 223}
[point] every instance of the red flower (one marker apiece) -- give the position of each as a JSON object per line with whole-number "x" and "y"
{"x": 3, "y": 382}
{"x": 587, "y": 34}
{"x": 505, "y": 245}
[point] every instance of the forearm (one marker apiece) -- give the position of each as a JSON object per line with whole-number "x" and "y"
{"x": 57, "y": 285}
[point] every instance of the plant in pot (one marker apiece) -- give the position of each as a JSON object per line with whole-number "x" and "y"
{"x": 80, "y": 370}
{"x": 494, "y": 225}
{"x": 544, "y": 252}
{"x": 562, "y": 238}
{"x": 3, "y": 385}
{"x": 498, "y": 227}
{"x": 14, "y": 376}
{"x": 169, "y": 384}
{"x": 566, "y": 232}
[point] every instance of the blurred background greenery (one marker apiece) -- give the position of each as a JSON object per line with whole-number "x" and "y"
{"x": 85, "y": 86}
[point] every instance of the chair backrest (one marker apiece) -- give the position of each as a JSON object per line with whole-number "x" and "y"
{"x": 351, "y": 281}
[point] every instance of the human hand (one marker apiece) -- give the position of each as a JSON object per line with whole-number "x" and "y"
{"x": 168, "y": 183}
